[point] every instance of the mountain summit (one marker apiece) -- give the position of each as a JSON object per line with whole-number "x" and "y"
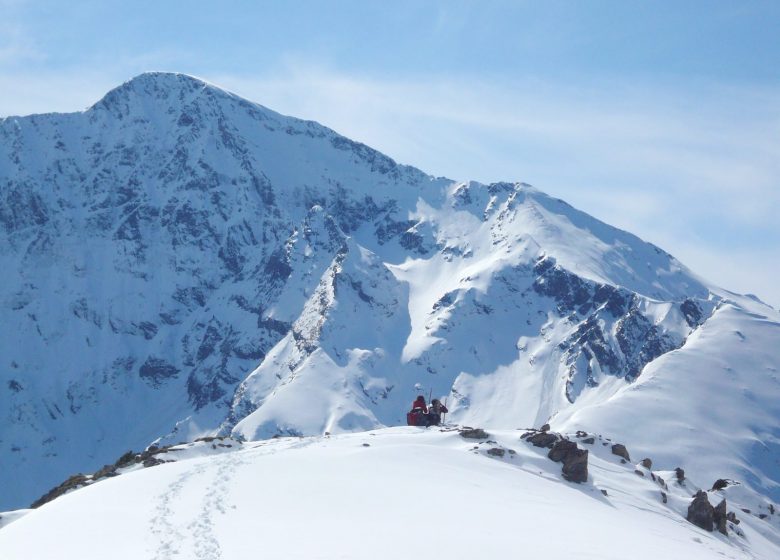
{"x": 182, "y": 262}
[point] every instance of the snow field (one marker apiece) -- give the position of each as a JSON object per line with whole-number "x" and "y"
{"x": 385, "y": 493}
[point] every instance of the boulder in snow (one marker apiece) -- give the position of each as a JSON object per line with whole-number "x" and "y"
{"x": 542, "y": 439}
{"x": 700, "y": 511}
{"x": 474, "y": 433}
{"x": 575, "y": 460}
{"x": 620, "y": 450}
{"x": 720, "y": 484}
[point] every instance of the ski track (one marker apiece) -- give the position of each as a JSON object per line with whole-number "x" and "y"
{"x": 174, "y": 534}
{"x": 161, "y": 524}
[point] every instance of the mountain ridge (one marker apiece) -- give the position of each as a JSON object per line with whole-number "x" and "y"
{"x": 185, "y": 263}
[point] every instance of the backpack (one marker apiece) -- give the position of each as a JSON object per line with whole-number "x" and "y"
{"x": 416, "y": 417}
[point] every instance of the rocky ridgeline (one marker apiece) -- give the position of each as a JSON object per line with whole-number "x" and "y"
{"x": 150, "y": 457}
{"x": 700, "y": 512}
{"x": 562, "y": 450}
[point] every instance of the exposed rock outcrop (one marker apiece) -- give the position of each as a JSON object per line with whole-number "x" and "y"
{"x": 474, "y": 433}
{"x": 700, "y": 511}
{"x": 620, "y": 450}
{"x": 542, "y": 439}
{"x": 575, "y": 460}
{"x": 720, "y": 516}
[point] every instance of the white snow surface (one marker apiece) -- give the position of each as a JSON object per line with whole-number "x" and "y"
{"x": 182, "y": 262}
{"x": 385, "y": 493}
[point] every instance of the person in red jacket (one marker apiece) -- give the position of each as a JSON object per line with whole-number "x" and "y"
{"x": 418, "y": 416}
{"x": 420, "y": 403}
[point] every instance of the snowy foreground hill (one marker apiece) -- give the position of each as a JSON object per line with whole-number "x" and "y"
{"x": 180, "y": 262}
{"x": 385, "y": 494}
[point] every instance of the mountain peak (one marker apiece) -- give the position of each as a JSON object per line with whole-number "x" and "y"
{"x": 159, "y": 87}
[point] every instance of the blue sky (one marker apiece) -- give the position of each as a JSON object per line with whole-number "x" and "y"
{"x": 662, "y": 118}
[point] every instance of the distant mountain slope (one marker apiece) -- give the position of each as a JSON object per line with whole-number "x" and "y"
{"x": 183, "y": 262}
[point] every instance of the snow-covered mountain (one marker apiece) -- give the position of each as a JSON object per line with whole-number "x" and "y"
{"x": 180, "y": 262}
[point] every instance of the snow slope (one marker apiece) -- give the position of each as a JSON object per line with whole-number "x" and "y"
{"x": 183, "y": 262}
{"x": 384, "y": 494}
{"x": 727, "y": 372}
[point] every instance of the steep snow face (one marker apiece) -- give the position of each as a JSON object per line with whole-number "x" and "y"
{"x": 183, "y": 262}
{"x": 387, "y": 493}
{"x": 727, "y": 372}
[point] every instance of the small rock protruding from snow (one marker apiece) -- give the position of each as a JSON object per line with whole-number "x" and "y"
{"x": 647, "y": 463}
{"x": 620, "y": 450}
{"x": 720, "y": 484}
{"x": 474, "y": 433}
{"x": 680, "y": 474}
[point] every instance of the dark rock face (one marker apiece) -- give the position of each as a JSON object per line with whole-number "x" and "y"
{"x": 692, "y": 313}
{"x": 700, "y": 512}
{"x": 575, "y": 460}
{"x": 612, "y": 330}
{"x": 620, "y": 450}
{"x": 720, "y": 516}
{"x": 156, "y": 371}
{"x": 496, "y": 452}
{"x": 647, "y": 463}
{"x": 680, "y": 474}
